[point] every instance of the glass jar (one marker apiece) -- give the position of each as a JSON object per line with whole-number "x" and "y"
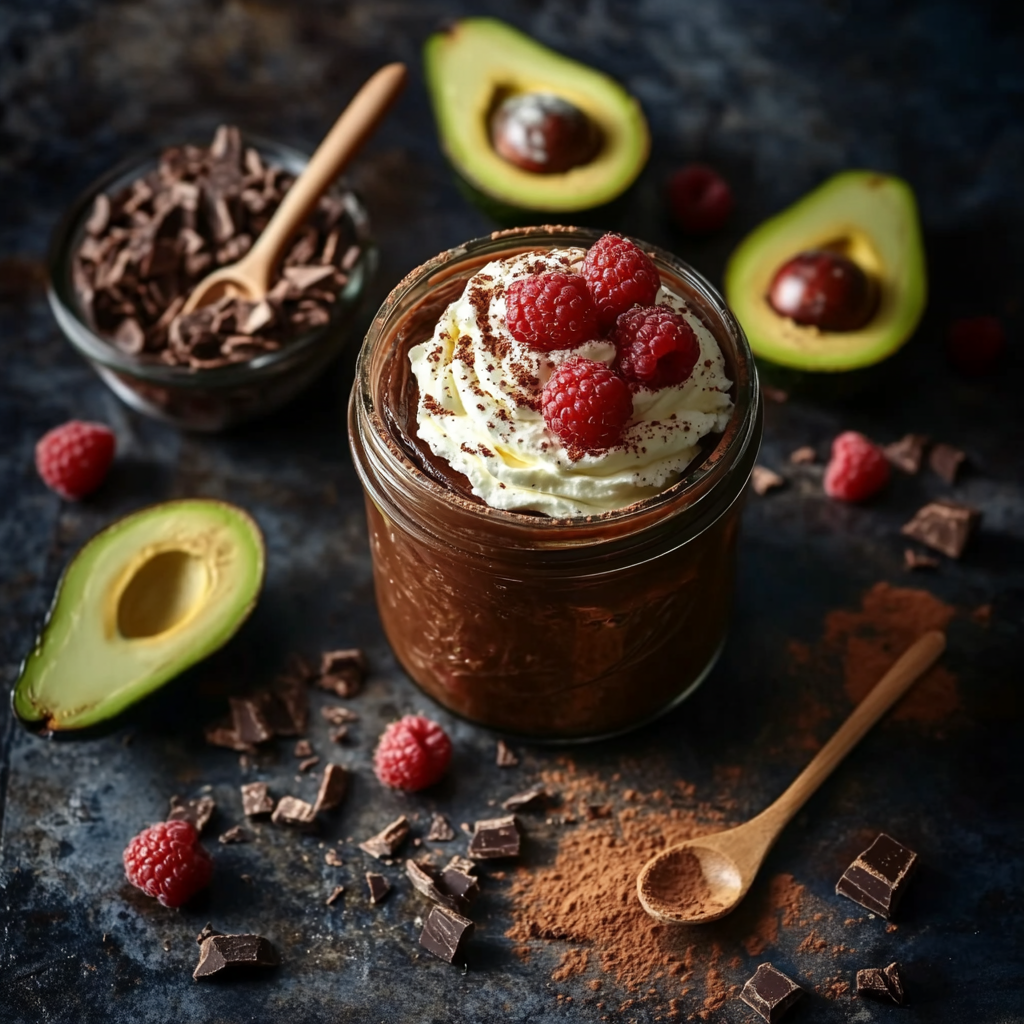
{"x": 214, "y": 398}
{"x": 549, "y": 628}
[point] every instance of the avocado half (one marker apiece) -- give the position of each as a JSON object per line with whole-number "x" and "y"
{"x": 474, "y": 64}
{"x": 144, "y": 599}
{"x": 869, "y": 217}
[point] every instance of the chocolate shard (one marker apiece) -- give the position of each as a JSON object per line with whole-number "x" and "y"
{"x": 256, "y": 799}
{"x": 878, "y": 877}
{"x": 335, "y": 894}
{"x": 441, "y": 830}
{"x": 309, "y": 762}
{"x": 944, "y": 526}
{"x": 222, "y": 734}
{"x": 292, "y": 811}
{"x": 339, "y": 715}
{"x": 505, "y": 756}
{"x": 764, "y": 480}
{"x": 444, "y": 933}
{"x": 915, "y": 560}
{"x": 883, "y": 983}
{"x": 494, "y": 838}
{"x": 945, "y": 461}
{"x": 198, "y": 811}
{"x": 907, "y": 454}
{"x": 770, "y": 993}
{"x": 220, "y": 952}
{"x": 333, "y": 787}
{"x": 458, "y": 879}
{"x": 342, "y": 672}
{"x": 303, "y": 749}
{"x": 386, "y": 843}
{"x": 99, "y": 218}
{"x": 378, "y": 885}
{"x": 803, "y": 456}
{"x": 236, "y": 834}
{"x": 532, "y": 798}
{"x": 426, "y": 883}
{"x": 250, "y": 724}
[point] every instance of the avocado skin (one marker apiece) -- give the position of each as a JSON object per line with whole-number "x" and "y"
{"x": 152, "y": 697}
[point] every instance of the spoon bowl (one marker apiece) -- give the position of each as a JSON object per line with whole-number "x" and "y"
{"x": 704, "y": 879}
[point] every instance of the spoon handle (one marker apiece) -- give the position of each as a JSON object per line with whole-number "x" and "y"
{"x": 350, "y": 131}
{"x": 913, "y": 663}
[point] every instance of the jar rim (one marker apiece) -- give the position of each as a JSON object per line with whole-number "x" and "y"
{"x": 67, "y": 309}
{"x": 365, "y": 420}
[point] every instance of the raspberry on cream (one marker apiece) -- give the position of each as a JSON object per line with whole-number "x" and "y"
{"x": 480, "y": 405}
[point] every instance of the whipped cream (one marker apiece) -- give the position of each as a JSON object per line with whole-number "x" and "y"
{"x": 479, "y": 405}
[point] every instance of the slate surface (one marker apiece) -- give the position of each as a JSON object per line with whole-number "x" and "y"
{"x": 776, "y": 95}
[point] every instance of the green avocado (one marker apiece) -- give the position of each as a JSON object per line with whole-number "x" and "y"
{"x": 144, "y": 599}
{"x": 871, "y": 219}
{"x": 477, "y": 63}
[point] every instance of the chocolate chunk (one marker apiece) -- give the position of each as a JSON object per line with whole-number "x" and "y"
{"x": 236, "y": 834}
{"x": 945, "y": 460}
{"x": 505, "y": 756}
{"x": 944, "y": 526}
{"x": 333, "y": 858}
{"x": 444, "y": 933}
{"x": 198, "y": 811}
{"x": 534, "y": 797}
{"x": 495, "y": 837}
{"x": 915, "y": 560}
{"x": 907, "y": 453}
{"x": 220, "y": 952}
{"x": 457, "y": 878}
{"x": 309, "y": 762}
{"x": 256, "y": 799}
{"x": 294, "y": 812}
{"x": 378, "y": 885}
{"x": 424, "y": 882}
{"x": 803, "y": 456}
{"x": 100, "y": 216}
{"x": 878, "y": 878}
{"x": 250, "y": 724}
{"x": 305, "y": 278}
{"x": 342, "y": 672}
{"x": 338, "y": 890}
{"x": 333, "y": 787}
{"x": 882, "y": 983}
{"x": 764, "y": 480}
{"x": 440, "y": 830}
{"x": 339, "y": 715}
{"x": 129, "y": 336}
{"x": 770, "y": 993}
{"x": 222, "y": 734}
{"x": 303, "y": 749}
{"x": 387, "y": 842}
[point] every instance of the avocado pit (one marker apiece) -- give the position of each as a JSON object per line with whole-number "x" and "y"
{"x": 543, "y": 133}
{"x": 163, "y": 592}
{"x": 823, "y": 288}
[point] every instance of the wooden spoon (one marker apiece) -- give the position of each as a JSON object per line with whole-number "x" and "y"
{"x": 250, "y": 277}
{"x": 704, "y": 879}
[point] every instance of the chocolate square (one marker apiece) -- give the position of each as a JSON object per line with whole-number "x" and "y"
{"x": 878, "y": 878}
{"x": 770, "y": 992}
{"x": 494, "y": 838}
{"x": 444, "y": 933}
{"x": 943, "y": 525}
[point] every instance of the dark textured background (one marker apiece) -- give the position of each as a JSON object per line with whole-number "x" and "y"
{"x": 778, "y": 96}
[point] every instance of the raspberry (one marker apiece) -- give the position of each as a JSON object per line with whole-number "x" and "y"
{"x": 74, "y": 458}
{"x": 699, "y": 198}
{"x": 657, "y": 347}
{"x": 412, "y": 753}
{"x": 857, "y": 469}
{"x": 975, "y": 344}
{"x": 168, "y": 862}
{"x": 619, "y": 276}
{"x": 586, "y": 404}
{"x": 549, "y": 311}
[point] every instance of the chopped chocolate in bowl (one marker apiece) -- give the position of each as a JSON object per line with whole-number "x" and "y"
{"x": 135, "y": 245}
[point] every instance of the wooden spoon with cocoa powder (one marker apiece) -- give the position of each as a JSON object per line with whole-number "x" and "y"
{"x": 704, "y": 879}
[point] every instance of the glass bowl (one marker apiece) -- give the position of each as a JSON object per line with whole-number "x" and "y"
{"x": 206, "y": 399}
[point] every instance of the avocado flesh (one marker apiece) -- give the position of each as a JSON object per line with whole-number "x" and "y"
{"x": 479, "y": 61}
{"x": 869, "y": 217}
{"x": 144, "y": 599}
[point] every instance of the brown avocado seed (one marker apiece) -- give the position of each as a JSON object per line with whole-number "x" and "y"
{"x": 824, "y": 289}
{"x": 543, "y": 133}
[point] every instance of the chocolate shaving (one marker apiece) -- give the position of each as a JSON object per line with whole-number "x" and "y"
{"x": 944, "y": 526}
{"x": 386, "y": 842}
{"x": 309, "y": 762}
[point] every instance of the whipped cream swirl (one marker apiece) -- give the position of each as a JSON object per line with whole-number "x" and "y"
{"x": 479, "y": 405}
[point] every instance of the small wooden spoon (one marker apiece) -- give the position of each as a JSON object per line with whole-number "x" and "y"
{"x": 704, "y": 879}
{"x": 250, "y": 277}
